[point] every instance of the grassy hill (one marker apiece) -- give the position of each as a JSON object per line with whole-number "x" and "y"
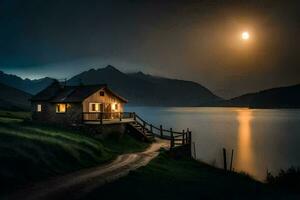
{"x": 13, "y": 99}
{"x": 167, "y": 177}
{"x": 30, "y": 152}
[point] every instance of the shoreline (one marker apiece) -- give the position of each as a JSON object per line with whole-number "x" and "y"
{"x": 179, "y": 177}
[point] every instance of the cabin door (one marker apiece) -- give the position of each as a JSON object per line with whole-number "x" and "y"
{"x": 108, "y": 111}
{"x": 101, "y": 107}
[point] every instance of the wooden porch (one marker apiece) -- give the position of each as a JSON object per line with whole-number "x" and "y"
{"x": 107, "y": 118}
{"x": 136, "y": 123}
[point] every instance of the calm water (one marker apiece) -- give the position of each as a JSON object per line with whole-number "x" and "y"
{"x": 262, "y": 139}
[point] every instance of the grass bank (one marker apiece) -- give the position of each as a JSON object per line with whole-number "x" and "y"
{"x": 31, "y": 152}
{"x": 14, "y": 115}
{"x": 170, "y": 178}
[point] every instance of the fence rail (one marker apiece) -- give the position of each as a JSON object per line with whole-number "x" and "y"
{"x": 102, "y": 116}
{"x": 184, "y": 137}
{"x": 176, "y": 137}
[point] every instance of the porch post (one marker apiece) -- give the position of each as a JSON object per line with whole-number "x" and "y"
{"x": 172, "y": 138}
{"x": 183, "y": 139}
{"x": 151, "y": 129}
{"x": 134, "y": 117}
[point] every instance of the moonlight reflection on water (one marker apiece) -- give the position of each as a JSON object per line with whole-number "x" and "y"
{"x": 262, "y": 139}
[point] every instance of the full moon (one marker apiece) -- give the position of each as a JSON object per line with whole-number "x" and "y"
{"x": 245, "y": 36}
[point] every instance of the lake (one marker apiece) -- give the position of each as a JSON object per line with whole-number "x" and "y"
{"x": 262, "y": 139}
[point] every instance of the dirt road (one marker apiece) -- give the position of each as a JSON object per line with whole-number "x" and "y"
{"x": 77, "y": 184}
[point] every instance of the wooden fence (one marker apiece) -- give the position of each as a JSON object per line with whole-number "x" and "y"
{"x": 176, "y": 138}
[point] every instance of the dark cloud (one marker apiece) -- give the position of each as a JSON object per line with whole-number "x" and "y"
{"x": 196, "y": 40}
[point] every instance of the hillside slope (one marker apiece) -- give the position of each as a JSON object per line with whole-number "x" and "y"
{"x": 281, "y": 97}
{"x": 13, "y": 99}
{"x": 30, "y": 152}
{"x": 141, "y": 89}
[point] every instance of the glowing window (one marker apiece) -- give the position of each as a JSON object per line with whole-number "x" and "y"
{"x": 95, "y": 107}
{"x": 39, "y": 107}
{"x": 102, "y": 93}
{"x": 114, "y": 106}
{"x": 61, "y": 108}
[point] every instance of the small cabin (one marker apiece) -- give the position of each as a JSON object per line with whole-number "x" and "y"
{"x": 63, "y": 104}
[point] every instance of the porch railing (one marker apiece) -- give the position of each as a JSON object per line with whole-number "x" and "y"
{"x": 176, "y": 137}
{"x": 102, "y": 116}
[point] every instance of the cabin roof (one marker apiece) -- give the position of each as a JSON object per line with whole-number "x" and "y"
{"x": 57, "y": 93}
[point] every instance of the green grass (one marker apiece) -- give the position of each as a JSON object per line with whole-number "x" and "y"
{"x": 126, "y": 144}
{"x": 15, "y": 114}
{"x": 30, "y": 152}
{"x": 169, "y": 178}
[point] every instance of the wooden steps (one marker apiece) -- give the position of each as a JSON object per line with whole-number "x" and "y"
{"x": 148, "y": 132}
{"x": 143, "y": 133}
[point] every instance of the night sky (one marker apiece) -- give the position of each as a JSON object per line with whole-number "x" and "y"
{"x": 192, "y": 40}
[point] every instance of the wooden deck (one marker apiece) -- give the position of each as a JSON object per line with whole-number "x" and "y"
{"x": 176, "y": 138}
{"x": 109, "y": 121}
{"x": 107, "y": 118}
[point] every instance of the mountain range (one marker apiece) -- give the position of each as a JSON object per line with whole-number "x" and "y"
{"x": 148, "y": 90}
{"x": 27, "y": 85}
{"x": 138, "y": 88}
{"x": 142, "y": 89}
{"x": 281, "y": 97}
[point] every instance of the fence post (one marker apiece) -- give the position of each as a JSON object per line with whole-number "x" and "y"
{"x": 183, "y": 139}
{"x": 134, "y": 117}
{"x": 231, "y": 160}
{"x": 224, "y": 158}
{"x": 151, "y": 129}
{"x": 172, "y": 138}
{"x": 101, "y": 118}
{"x": 189, "y": 136}
{"x": 186, "y": 138}
{"x": 161, "y": 131}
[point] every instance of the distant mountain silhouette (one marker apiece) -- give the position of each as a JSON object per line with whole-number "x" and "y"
{"x": 27, "y": 85}
{"x": 142, "y": 89}
{"x": 13, "y": 99}
{"x": 281, "y": 97}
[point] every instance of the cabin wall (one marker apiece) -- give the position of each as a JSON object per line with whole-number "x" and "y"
{"x": 49, "y": 115}
{"x": 42, "y": 116}
{"x": 74, "y": 110}
{"x": 107, "y": 100}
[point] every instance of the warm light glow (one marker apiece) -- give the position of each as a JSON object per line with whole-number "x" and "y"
{"x": 114, "y": 107}
{"x": 61, "y": 108}
{"x": 244, "y": 151}
{"x": 39, "y": 108}
{"x": 245, "y": 36}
